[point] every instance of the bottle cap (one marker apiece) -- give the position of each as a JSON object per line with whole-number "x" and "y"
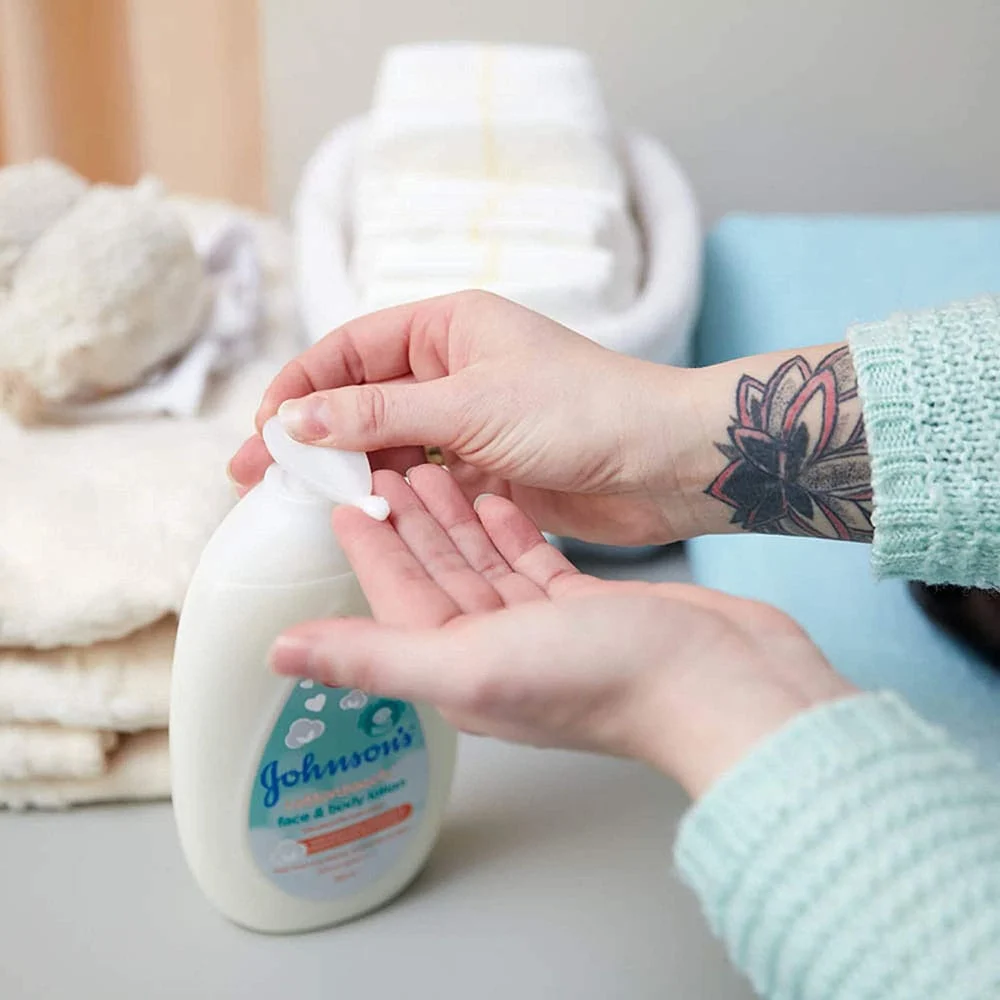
{"x": 341, "y": 476}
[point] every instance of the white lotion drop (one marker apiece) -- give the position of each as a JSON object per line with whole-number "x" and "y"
{"x": 375, "y": 507}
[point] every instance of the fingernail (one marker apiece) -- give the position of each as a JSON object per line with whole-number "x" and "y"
{"x": 479, "y": 499}
{"x": 413, "y": 468}
{"x": 304, "y": 418}
{"x": 290, "y": 655}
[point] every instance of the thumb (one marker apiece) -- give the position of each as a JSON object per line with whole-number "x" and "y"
{"x": 410, "y": 664}
{"x": 380, "y": 415}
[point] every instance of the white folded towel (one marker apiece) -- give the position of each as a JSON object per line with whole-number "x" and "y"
{"x": 122, "y": 685}
{"x": 521, "y": 113}
{"x": 493, "y": 167}
{"x": 511, "y": 80}
{"x": 567, "y": 283}
{"x": 428, "y": 207}
{"x": 657, "y": 326}
{"x": 29, "y": 753}
{"x": 101, "y": 525}
{"x": 138, "y": 770}
{"x": 519, "y": 153}
{"x": 477, "y": 263}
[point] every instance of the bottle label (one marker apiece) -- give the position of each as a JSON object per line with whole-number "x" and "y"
{"x": 339, "y": 792}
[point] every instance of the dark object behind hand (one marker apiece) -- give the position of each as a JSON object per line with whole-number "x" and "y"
{"x": 972, "y": 616}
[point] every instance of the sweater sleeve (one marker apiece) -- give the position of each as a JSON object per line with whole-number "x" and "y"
{"x": 930, "y": 393}
{"x": 854, "y": 855}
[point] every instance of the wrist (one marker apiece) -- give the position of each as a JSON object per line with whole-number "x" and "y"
{"x": 712, "y": 717}
{"x": 677, "y": 453}
{"x": 773, "y": 443}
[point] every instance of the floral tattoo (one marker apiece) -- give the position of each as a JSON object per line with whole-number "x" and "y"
{"x": 797, "y": 455}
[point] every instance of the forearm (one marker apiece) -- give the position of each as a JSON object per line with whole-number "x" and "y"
{"x": 930, "y": 385}
{"x": 900, "y": 428}
{"x": 778, "y": 446}
{"x": 854, "y": 853}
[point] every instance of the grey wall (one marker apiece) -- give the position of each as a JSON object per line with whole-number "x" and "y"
{"x": 867, "y": 105}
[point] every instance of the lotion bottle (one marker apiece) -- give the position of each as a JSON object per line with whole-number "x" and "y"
{"x": 298, "y": 805}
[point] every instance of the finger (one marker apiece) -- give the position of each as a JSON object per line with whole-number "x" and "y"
{"x": 524, "y": 547}
{"x": 383, "y": 345}
{"x": 494, "y": 669}
{"x": 462, "y": 667}
{"x": 248, "y": 465}
{"x": 447, "y": 504}
{"x": 250, "y": 462}
{"x": 433, "y": 548}
{"x": 384, "y": 415}
{"x": 354, "y": 653}
{"x": 398, "y": 588}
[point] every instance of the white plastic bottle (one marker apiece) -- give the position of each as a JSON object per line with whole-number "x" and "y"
{"x": 298, "y": 805}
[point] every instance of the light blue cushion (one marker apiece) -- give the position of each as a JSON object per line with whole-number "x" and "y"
{"x": 775, "y": 282}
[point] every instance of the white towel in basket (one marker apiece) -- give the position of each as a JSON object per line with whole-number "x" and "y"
{"x": 527, "y": 114}
{"x": 656, "y": 326}
{"x": 509, "y": 79}
{"x": 562, "y": 280}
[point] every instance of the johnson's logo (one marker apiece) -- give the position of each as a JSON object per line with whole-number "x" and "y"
{"x": 312, "y": 772}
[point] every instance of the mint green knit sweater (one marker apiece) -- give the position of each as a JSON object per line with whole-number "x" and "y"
{"x": 855, "y": 854}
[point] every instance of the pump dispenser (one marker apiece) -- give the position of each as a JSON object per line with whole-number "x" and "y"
{"x": 298, "y": 805}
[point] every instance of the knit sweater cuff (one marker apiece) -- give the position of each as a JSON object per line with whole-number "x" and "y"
{"x": 930, "y": 392}
{"x": 853, "y": 854}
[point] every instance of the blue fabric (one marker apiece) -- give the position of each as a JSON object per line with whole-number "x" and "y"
{"x": 775, "y": 282}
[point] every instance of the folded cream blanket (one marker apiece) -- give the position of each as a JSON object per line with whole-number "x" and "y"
{"x": 100, "y": 528}
{"x": 29, "y": 752}
{"x": 138, "y": 770}
{"x": 101, "y": 525}
{"x": 121, "y": 685}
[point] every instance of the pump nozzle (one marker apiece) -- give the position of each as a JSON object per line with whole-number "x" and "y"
{"x": 341, "y": 476}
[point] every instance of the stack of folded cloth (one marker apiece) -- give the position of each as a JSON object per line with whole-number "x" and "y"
{"x": 136, "y": 335}
{"x": 493, "y": 167}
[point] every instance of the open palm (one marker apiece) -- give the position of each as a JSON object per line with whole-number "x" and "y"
{"x": 477, "y": 614}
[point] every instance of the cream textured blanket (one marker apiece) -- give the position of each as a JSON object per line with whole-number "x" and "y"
{"x": 139, "y": 769}
{"x": 28, "y": 752}
{"x": 101, "y": 526}
{"x": 121, "y": 685}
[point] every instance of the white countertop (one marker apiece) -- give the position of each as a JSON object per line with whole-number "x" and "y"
{"x": 552, "y": 879}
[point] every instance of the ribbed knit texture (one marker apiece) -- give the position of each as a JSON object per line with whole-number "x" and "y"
{"x": 930, "y": 392}
{"x": 855, "y": 855}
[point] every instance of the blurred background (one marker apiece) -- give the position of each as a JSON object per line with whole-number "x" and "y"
{"x": 768, "y": 105}
{"x": 849, "y": 105}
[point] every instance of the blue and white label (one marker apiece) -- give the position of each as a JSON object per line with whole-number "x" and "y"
{"x": 339, "y": 791}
